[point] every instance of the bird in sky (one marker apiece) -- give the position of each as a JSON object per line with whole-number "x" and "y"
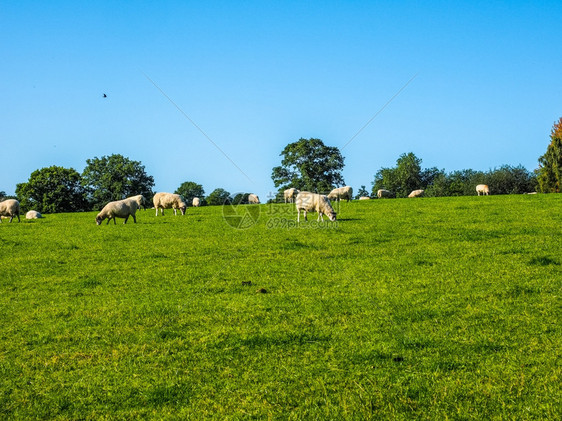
{"x": 104, "y": 95}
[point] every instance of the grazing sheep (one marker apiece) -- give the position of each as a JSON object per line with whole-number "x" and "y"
{"x": 10, "y": 208}
{"x": 364, "y": 198}
{"x": 482, "y": 188}
{"x": 290, "y": 194}
{"x": 383, "y": 193}
{"x": 169, "y": 201}
{"x": 253, "y": 199}
{"x": 416, "y": 193}
{"x": 345, "y": 192}
{"x": 196, "y": 202}
{"x": 141, "y": 201}
{"x": 312, "y": 202}
{"x": 33, "y": 215}
{"x": 118, "y": 209}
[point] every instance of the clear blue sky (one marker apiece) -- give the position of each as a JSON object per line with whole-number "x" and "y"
{"x": 257, "y": 75}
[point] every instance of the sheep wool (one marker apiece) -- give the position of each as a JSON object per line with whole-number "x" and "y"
{"x": 313, "y": 202}
{"x": 10, "y": 208}
{"x": 32, "y": 214}
{"x": 118, "y": 209}
{"x": 169, "y": 201}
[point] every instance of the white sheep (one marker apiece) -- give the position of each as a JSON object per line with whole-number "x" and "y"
{"x": 196, "y": 202}
{"x": 253, "y": 199}
{"x": 482, "y": 188}
{"x": 10, "y": 208}
{"x": 290, "y": 194}
{"x": 364, "y": 198}
{"x": 416, "y": 193}
{"x": 118, "y": 209}
{"x": 141, "y": 201}
{"x": 345, "y": 192}
{"x": 32, "y": 214}
{"x": 383, "y": 193}
{"x": 169, "y": 201}
{"x": 313, "y": 202}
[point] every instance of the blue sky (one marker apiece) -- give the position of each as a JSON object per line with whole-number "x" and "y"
{"x": 257, "y": 75}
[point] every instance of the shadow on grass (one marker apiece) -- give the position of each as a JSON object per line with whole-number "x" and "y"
{"x": 543, "y": 261}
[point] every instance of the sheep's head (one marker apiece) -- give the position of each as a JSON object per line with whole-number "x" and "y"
{"x": 183, "y": 207}
{"x": 98, "y": 220}
{"x": 332, "y": 216}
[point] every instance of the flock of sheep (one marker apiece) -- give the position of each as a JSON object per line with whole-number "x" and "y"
{"x": 10, "y": 208}
{"x": 312, "y": 202}
{"x": 129, "y": 206}
{"x": 304, "y": 201}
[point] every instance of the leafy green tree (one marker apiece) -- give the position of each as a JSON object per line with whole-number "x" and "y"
{"x": 115, "y": 177}
{"x": 385, "y": 178}
{"x": 189, "y": 189}
{"x": 362, "y": 192}
{"x": 240, "y": 199}
{"x": 405, "y": 177}
{"x": 510, "y": 180}
{"x": 439, "y": 186}
{"x": 549, "y": 173}
{"x": 52, "y": 190}
{"x": 2, "y": 195}
{"x": 408, "y": 169}
{"x": 309, "y": 165}
{"x": 464, "y": 182}
{"x": 218, "y": 197}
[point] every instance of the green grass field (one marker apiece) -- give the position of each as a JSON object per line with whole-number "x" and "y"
{"x": 445, "y": 308}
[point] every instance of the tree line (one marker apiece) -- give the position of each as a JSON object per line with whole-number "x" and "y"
{"x": 310, "y": 165}
{"x": 57, "y": 189}
{"x": 307, "y": 164}
{"x": 408, "y": 175}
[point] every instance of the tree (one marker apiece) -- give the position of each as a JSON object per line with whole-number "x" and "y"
{"x": 53, "y": 189}
{"x": 549, "y": 173}
{"x": 218, "y": 197}
{"x": 429, "y": 175}
{"x": 401, "y": 180}
{"x": 510, "y": 180}
{"x": 439, "y": 186}
{"x": 362, "y": 192}
{"x": 240, "y": 199}
{"x": 309, "y": 165}
{"x": 189, "y": 189}
{"x": 115, "y": 177}
{"x": 463, "y": 182}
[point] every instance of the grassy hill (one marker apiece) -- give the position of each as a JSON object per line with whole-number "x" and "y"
{"x": 403, "y": 309}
